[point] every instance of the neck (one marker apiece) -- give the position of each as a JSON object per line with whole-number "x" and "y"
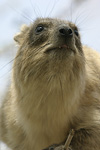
{"x": 48, "y": 107}
{"x": 56, "y": 95}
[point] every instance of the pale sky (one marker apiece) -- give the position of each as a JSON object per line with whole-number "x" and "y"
{"x": 13, "y": 13}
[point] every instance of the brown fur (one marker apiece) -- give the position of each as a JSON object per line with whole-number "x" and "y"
{"x": 53, "y": 90}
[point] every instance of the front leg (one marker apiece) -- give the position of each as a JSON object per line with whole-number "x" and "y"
{"x": 86, "y": 139}
{"x": 57, "y": 147}
{"x": 83, "y": 139}
{"x": 65, "y": 145}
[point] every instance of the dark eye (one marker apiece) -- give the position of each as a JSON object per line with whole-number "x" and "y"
{"x": 76, "y": 32}
{"x": 39, "y": 29}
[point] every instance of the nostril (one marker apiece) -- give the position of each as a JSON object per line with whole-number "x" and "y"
{"x": 66, "y": 31}
{"x": 62, "y": 31}
{"x": 70, "y": 31}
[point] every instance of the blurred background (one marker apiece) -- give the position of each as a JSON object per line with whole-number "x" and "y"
{"x": 13, "y": 13}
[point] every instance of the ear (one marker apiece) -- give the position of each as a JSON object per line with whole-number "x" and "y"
{"x": 19, "y": 37}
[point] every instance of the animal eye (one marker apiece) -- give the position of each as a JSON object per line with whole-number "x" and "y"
{"x": 76, "y": 32}
{"x": 39, "y": 29}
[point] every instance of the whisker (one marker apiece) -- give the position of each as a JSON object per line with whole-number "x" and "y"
{"x": 8, "y": 71}
{"x": 21, "y": 13}
{"x": 9, "y": 62}
{"x": 71, "y": 12}
{"x": 84, "y": 18}
{"x": 79, "y": 15}
{"x": 25, "y": 59}
{"x": 47, "y": 7}
{"x": 39, "y": 12}
{"x": 82, "y": 21}
{"x": 4, "y": 75}
{"x": 86, "y": 29}
{"x": 55, "y": 3}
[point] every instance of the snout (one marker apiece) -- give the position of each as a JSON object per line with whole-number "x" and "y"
{"x": 62, "y": 39}
{"x": 65, "y": 32}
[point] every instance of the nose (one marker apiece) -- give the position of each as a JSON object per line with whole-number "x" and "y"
{"x": 66, "y": 31}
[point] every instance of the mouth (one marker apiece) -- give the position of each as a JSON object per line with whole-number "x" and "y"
{"x": 63, "y": 47}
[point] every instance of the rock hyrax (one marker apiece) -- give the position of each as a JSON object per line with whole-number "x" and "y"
{"x": 55, "y": 87}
